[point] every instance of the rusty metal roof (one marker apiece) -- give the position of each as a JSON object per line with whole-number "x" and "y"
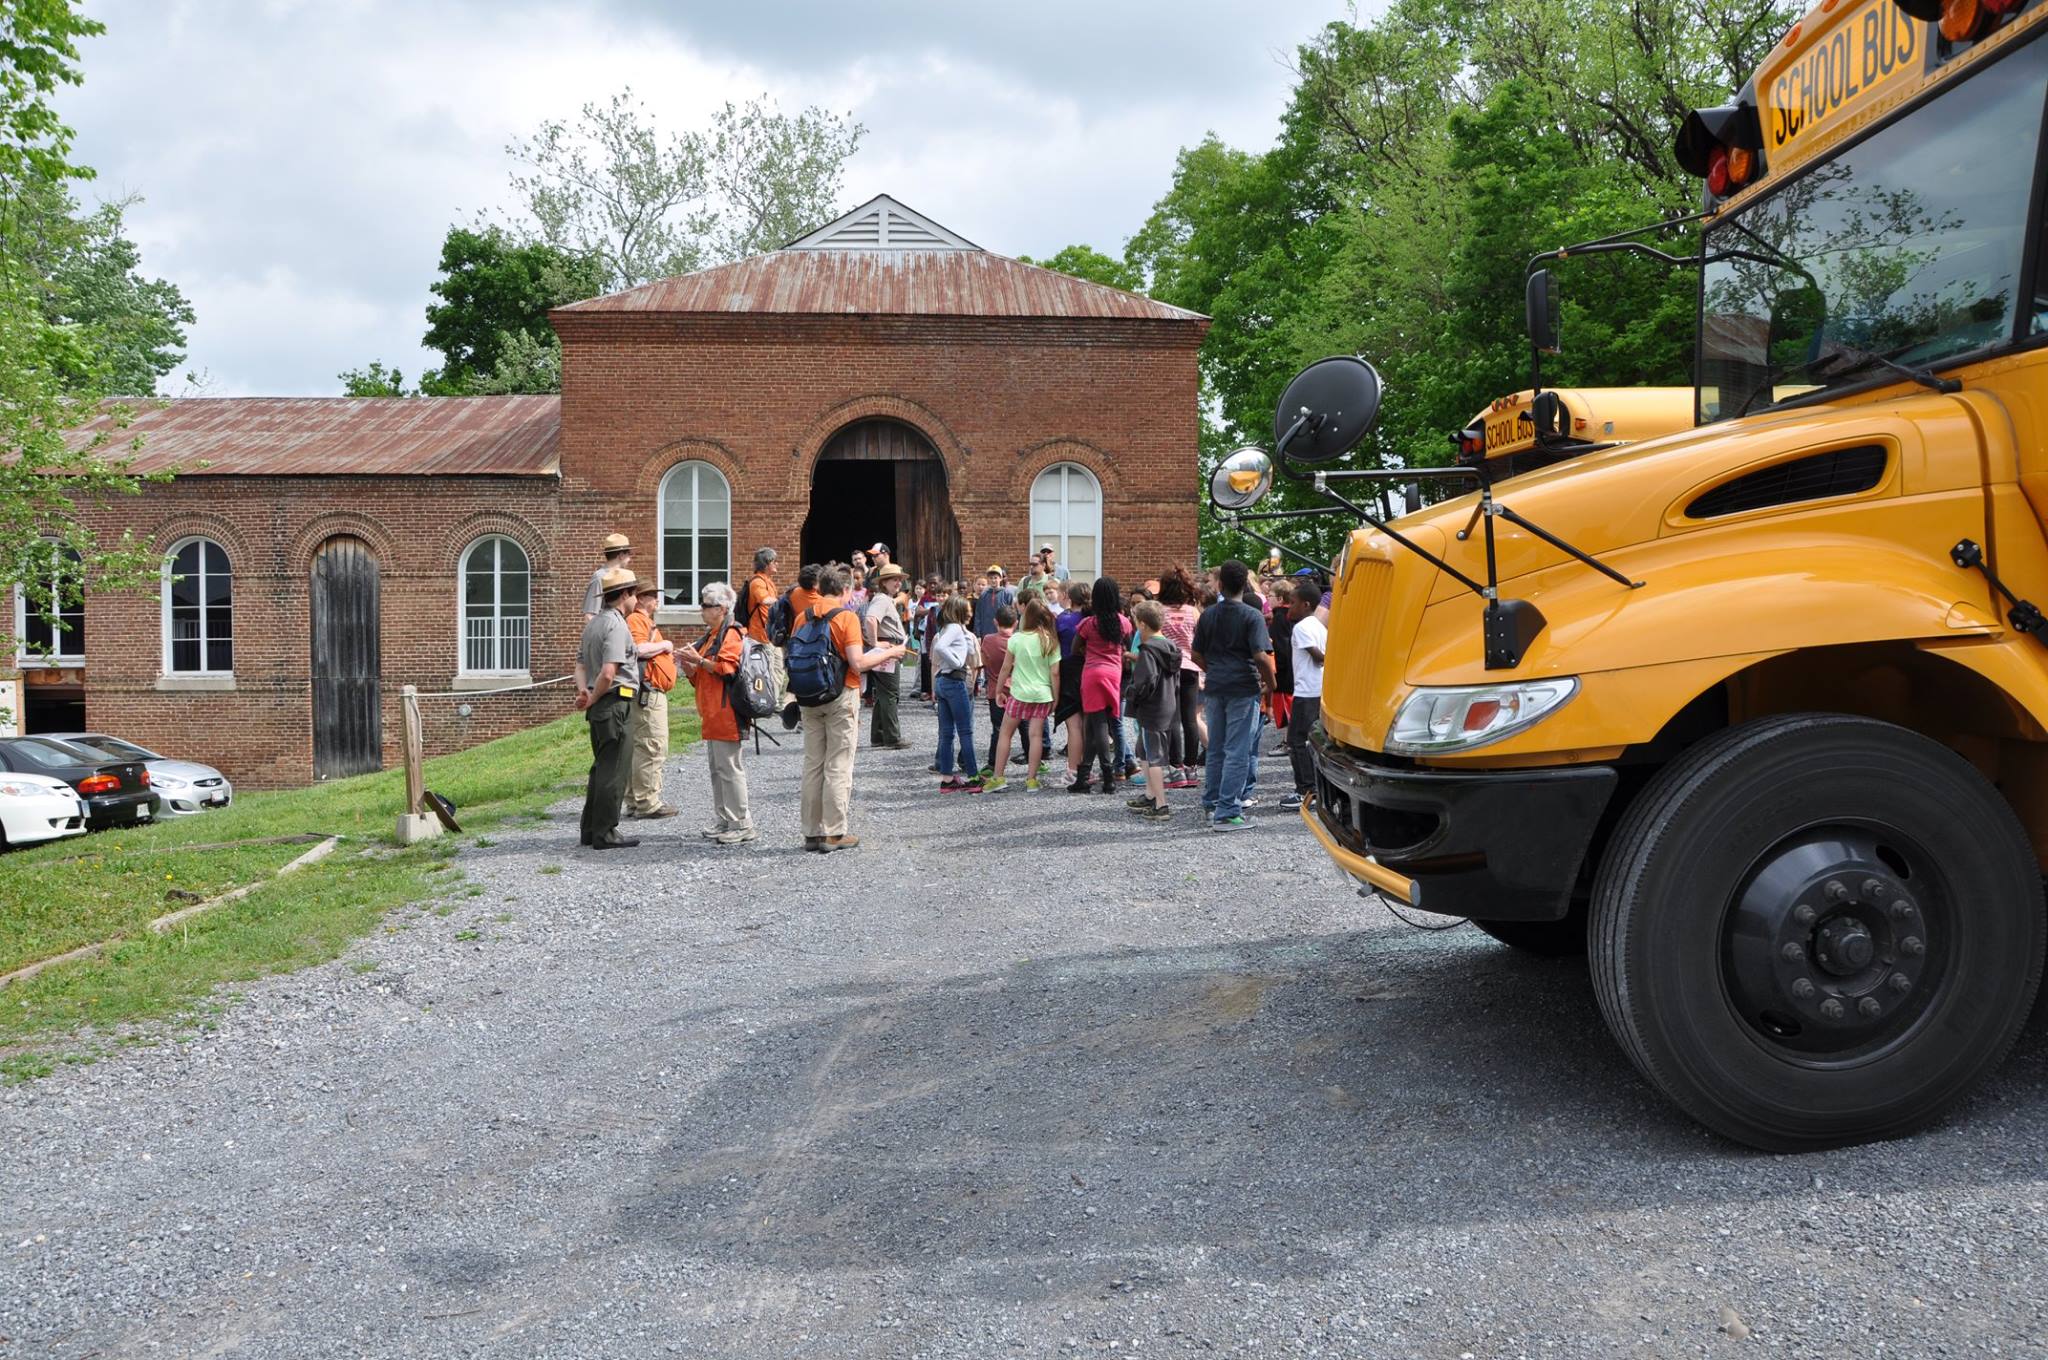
{"x": 949, "y": 282}
{"x": 363, "y": 436}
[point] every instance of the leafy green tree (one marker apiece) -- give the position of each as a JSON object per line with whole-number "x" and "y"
{"x": 58, "y": 364}
{"x": 1086, "y": 262}
{"x": 375, "y": 380}
{"x": 493, "y": 286}
{"x": 646, "y": 204}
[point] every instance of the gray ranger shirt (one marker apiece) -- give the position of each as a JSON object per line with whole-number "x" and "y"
{"x": 607, "y": 638}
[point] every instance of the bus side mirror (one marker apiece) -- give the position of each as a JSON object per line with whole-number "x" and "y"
{"x": 1541, "y": 311}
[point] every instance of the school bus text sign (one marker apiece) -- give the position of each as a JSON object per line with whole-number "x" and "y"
{"x": 1810, "y": 97}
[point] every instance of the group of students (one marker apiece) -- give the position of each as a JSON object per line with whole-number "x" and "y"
{"x": 1198, "y": 685}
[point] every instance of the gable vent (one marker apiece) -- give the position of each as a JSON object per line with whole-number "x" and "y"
{"x": 1838, "y": 472}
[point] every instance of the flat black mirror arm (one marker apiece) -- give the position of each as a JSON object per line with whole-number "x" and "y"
{"x": 1230, "y": 519}
{"x": 1485, "y": 592}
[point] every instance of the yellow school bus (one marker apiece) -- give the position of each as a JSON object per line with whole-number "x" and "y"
{"x": 1756, "y": 712}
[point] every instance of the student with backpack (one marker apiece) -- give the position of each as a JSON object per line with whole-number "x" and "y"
{"x": 1154, "y": 694}
{"x": 711, "y": 664}
{"x": 826, "y": 659}
{"x": 955, "y": 658}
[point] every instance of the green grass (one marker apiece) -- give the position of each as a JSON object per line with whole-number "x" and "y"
{"x": 59, "y": 896}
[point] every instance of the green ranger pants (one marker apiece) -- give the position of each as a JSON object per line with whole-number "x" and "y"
{"x": 610, "y": 760}
{"x": 884, "y": 731}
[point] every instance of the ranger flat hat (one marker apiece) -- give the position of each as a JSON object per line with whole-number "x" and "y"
{"x": 617, "y": 543}
{"x": 616, "y": 580}
{"x": 892, "y": 572}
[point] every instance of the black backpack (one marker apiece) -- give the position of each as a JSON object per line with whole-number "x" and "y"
{"x": 817, "y": 672}
{"x": 743, "y": 612}
{"x": 751, "y": 689}
{"x": 781, "y": 618}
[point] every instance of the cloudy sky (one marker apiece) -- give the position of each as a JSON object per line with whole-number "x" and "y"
{"x": 300, "y": 161}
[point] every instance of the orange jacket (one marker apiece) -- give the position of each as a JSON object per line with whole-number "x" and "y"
{"x": 715, "y": 717}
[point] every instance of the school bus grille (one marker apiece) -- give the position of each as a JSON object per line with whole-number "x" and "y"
{"x": 1357, "y": 628}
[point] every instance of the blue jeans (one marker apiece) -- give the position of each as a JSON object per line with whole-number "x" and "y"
{"x": 956, "y": 725}
{"x": 1233, "y": 745}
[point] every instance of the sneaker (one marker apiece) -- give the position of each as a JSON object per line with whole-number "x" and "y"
{"x": 739, "y": 837}
{"x": 653, "y": 814}
{"x": 1183, "y": 783}
{"x": 813, "y": 842}
{"x": 1230, "y": 824}
{"x": 1141, "y": 801}
{"x": 711, "y": 833}
{"x": 935, "y": 769}
{"x": 986, "y": 772}
{"x": 1247, "y": 801}
{"x": 1153, "y": 812}
{"x": 1020, "y": 759}
{"x": 1130, "y": 769}
{"x": 1032, "y": 785}
{"x": 832, "y": 843}
{"x": 1292, "y": 802}
{"x": 994, "y": 784}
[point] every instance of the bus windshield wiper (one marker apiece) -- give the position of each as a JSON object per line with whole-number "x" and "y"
{"x": 1924, "y": 377}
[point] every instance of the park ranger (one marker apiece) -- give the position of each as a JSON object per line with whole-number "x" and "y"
{"x": 607, "y": 682}
{"x": 618, "y": 556}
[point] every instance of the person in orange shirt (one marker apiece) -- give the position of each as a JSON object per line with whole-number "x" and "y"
{"x": 802, "y": 596}
{"x": 710, "y": 663}
{"x": 761, "y": 594}
{"x": 649, "y": 732}
{"x": 832, "y": 731}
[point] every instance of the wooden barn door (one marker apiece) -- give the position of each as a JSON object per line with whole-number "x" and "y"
{"x": 924, "y": 520}
{"x": 882, "y": 479}
{"x": 348, "y": 715}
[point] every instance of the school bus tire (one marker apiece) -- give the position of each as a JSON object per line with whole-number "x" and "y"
{"x": 1812, "y": 930}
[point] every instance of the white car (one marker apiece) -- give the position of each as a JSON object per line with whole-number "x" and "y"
{"x": 186, "y": 786}
{"x": 37, "y": 807}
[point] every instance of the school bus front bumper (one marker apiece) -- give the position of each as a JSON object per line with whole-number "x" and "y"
{"x": 1498, "y": 845}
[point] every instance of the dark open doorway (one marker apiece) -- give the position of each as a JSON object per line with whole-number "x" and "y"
{"x": 881, "y": 480}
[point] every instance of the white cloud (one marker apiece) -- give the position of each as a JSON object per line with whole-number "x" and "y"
{"x": 301, "y": 161}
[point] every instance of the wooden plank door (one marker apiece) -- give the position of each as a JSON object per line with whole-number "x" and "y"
{"x": 924, "y": 521}
{"x": 348, "y": 716}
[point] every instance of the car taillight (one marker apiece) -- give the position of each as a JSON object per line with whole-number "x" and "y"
{"x": 145, "y": 779}
{"x": 98, "y": 783}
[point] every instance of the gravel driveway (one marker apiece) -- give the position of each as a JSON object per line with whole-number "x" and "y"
{"x": 1019, "y": 1077}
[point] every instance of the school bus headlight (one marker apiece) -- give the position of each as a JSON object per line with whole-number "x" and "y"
{"x": 1437, "y": 719}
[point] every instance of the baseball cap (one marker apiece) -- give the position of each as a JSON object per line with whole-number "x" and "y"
{"x": 879, "y": 547}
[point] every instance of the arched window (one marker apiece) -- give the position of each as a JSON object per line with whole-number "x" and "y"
{"x": 696, "y": 531}
{"x": 198, "y": 594}
{"x": 1066, "y": 511}
{"x": 496, "y": 607}
{"x": 53, "y": 632}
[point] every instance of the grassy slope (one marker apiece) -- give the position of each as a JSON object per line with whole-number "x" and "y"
{"x": 55, "y": 897}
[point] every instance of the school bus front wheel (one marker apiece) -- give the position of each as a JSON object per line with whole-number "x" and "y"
{"x": 1815, "y": 929}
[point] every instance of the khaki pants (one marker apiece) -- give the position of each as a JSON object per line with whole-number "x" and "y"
{"x": 650, "y": 753}
{"x": 831, "y": 732}
{"x": 728, "y": 785}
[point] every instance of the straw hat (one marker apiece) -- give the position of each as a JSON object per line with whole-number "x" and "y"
{"x": 615, "y": 580}
{"x": 617, "y": 543}
{"x": 892, "y": 572}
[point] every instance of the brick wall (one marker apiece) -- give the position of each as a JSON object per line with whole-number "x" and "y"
{"x": 261, "y": 733}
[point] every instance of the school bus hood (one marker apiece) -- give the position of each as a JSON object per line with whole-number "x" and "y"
{"x": 1812, "y": 505}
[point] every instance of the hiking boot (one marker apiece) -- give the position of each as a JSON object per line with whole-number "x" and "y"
{"x": 1238, "y": 823}
{"x": 739, "y": 837}
{"x": 1154, "y": 812}
{"x": 1079, "y": 786}
{"x": 839, "y": 843}
{"x": 813, "y": 842}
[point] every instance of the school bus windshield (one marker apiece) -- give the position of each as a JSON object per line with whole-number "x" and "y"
{"x": 1908, "y": 247}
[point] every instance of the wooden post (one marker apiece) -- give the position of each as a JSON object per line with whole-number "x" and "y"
{"x": 414, "y": 822}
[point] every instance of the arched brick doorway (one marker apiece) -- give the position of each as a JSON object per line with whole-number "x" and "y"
{"x": 882, "y": 480}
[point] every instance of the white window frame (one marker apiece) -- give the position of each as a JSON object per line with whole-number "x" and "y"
{"x": 1062, "y": 557}
{"x": 164, "y": 595}
{"x": 690, "y": 594}
{"x": 23, "y": 657}
{"x": 462, "y": 616}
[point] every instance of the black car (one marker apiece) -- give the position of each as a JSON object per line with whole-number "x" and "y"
{"x": 116, "y": 792}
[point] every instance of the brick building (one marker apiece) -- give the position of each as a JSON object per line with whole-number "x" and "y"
{"x": 879, "y": 379}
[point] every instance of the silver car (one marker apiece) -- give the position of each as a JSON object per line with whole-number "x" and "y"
{"x": 185, "y": 785}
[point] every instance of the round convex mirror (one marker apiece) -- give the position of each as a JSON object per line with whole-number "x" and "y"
{"x": 1341, "y": 398}
{"x": 1242, "y": 480}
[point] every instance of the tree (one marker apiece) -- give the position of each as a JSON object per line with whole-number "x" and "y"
{"x": 58, "y": 368}
{"x": 645, "y": 205}
{"x": 1086, "y": 262}
{"x": 375, "y": 381}
{"x": 493, "y": 287}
